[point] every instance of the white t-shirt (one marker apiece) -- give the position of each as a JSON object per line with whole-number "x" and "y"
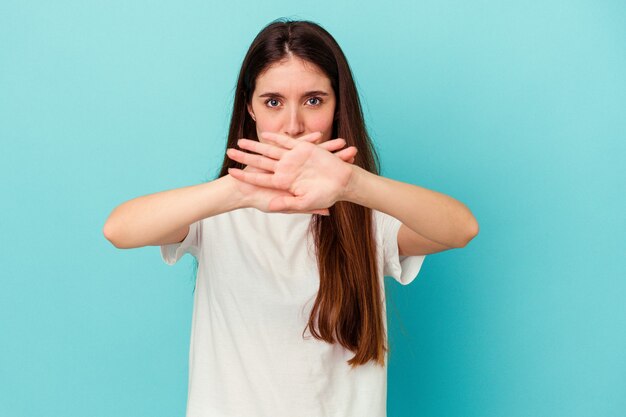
{"x": 256, "y": 283}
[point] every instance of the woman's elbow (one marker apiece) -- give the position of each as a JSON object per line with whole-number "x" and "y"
{"x": 471, "y": 233}
{"x": 109, "y": 232}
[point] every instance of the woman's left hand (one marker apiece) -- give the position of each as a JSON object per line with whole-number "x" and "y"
{"x": 314, "y": 176}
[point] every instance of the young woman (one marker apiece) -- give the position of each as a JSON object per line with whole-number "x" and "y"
{"x": 293, "y": 240}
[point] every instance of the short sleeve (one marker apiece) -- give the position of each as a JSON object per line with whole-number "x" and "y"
{"x": 191, "y": 244}
{"x": 403, "y": 269}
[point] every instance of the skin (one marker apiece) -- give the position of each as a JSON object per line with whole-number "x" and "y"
{"x": 296, "y": 167}
{"x": 294, "y": 159}
{"x": 163, "y": 218}
{"x": 295, "y": 98}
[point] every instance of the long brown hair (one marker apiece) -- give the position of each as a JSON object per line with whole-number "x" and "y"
{"x": 348, "y": 308}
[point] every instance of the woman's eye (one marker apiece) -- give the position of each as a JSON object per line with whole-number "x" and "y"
{"x": 272, "y": 102}
{"x": 314, "y": 101}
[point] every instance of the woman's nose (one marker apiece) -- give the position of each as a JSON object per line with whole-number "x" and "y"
{"x": 294, "y": 125}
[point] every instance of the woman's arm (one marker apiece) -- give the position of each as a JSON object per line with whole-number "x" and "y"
{"x": 164, "y": 217}
{"x": 425, "y": 214}
{"x": 432, "y": 221}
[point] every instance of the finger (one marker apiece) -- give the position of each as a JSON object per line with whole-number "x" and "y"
{"x": 346, "y": 154}
{"x": 250, "y": 168}
{"x": 271, "y": 151}
{"x": 348, "y": 160}
{"x": 255, "y": 178}
{"x": 345, "y": 158}
{"x": 333, "y": 145}
{"x": 323, "y": 212}
{"x": 314, "y": 137}
{"x": 280, "y": 140}
{"x": 257, "y": 161}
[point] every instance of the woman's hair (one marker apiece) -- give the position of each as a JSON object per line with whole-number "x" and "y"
{"x": 348, "y": 308}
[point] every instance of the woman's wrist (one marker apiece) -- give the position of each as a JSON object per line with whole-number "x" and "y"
{"x": 236, "y": 199}
{"x": 352, "y": 190}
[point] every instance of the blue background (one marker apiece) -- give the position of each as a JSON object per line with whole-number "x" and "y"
{"x": 517, "y": 109}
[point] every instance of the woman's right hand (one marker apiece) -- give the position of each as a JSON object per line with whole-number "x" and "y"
{"x": 260, "y": 197}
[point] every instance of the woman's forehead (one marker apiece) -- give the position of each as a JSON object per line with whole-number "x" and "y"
{"x": 293, "y": 74}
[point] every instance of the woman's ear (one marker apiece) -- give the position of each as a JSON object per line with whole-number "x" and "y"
{"x": 251, "y": 112}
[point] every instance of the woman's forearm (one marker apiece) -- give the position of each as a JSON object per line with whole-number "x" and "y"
{"x": 147, "y": 220}
{"x": 433, "y": 215}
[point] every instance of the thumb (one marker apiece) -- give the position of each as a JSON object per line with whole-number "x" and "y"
{"x": 294, "y": 205}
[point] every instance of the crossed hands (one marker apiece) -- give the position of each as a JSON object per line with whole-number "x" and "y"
{"x": 292, "y": 175}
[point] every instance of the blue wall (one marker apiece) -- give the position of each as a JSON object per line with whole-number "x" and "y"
{"x": 517, "y": 109}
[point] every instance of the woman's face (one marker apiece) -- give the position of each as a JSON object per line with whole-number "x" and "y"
{"x": 293, "y": 97}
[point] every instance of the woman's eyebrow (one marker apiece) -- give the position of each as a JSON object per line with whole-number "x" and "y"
{"x": 308, "y": 93}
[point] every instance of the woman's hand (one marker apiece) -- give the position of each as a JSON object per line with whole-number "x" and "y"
{"x": 304, "y": 177}
{"x": 260, "y": 197}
